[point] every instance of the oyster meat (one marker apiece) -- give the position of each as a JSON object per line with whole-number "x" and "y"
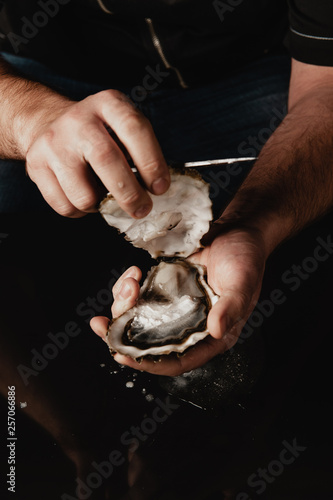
{"x": 175, "y": 225}
{"x": 170, "y": 314}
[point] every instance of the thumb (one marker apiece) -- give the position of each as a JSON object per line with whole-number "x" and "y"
{"x": 232, "y": 308}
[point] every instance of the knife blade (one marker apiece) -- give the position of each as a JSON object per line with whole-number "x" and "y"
{"x": 179, "y": 164}
{"x": 220, "y": 161}
{"x": 202, "y": 163}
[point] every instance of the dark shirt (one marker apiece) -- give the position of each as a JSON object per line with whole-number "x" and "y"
{"x": 193, "y": 41}
{"x": 310, "y": 37}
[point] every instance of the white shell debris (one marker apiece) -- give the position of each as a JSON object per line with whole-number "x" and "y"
{"x": 170, "y": 314}
{"x": 178, "y": 220}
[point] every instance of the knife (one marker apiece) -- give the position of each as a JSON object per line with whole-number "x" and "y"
{"x": 204, "y": 163}
{"x": 179, "y": 164}
{"x": 207, "y": 163}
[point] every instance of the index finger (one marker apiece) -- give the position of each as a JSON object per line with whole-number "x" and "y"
{"x": 136, "y": 133}
{"x": 110, "y": 165}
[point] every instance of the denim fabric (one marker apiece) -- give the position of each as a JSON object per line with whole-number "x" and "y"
{"x": 228, "y": 118}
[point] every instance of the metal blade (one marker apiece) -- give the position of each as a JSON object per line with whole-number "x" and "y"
{"x": 207, "y": 163}
{"x": 203, "y": 163}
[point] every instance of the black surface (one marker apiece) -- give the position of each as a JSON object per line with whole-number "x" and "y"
{"x": 82, "y": 406}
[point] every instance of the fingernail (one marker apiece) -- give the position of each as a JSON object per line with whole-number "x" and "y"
{"x": 125, "y": 291}
{"x": 160, "y": 185}
{"x": 142, "y": 211}
{"x": 129, "y": 273}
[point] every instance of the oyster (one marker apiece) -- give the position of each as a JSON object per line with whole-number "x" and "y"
{"x": 175, "y": 225}
{"x": 170, "y": 314}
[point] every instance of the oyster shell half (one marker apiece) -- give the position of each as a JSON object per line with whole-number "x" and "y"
{"x": 170, "y": 314}
{"x": 178, "y": 220}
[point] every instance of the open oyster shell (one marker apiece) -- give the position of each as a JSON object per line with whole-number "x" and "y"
{"x": 178, "y": 220}
{"x": 170, "y": 314}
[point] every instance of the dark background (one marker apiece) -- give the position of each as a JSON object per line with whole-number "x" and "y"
{"x": 273, "y": 389}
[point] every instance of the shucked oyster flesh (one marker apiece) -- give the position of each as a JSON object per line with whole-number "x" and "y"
{"x": 178, "y": 220}
{"x": 170, "y": 314}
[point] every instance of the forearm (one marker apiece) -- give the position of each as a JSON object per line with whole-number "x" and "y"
{"x": 291, "y": 184}
{"x": 24, "y": 106}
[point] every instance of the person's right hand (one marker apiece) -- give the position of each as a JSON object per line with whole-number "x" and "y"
{"x": 72, "y": 150}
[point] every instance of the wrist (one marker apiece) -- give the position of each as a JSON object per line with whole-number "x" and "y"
{"x": 31, "y": 124}
{"x": 39, "y": 107}
{"x": 270, "y": 227}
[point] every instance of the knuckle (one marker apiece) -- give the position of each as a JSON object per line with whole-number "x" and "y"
{"x": 151, "y": 167}
{"x": 30, "y": 158}
{"x": 131, "y": 198}
{"x": 41, "y": 144}
{"x": 132, "y": 123}
{"x": 118, "y": 284}
{"x": 103, "y": 153}
{"x": 87, "y": 202}
{"x": 62, "y": 207}
{"x": 66, "y": 210}
{"x": 29, "y": 167}
{"x": 33, "y": 164}
{"x": 116, "y": 96}
{"x": 44, "y": 145}
{"x": 104, "y": 97}
{"x": 116, "y": 288}
{"x": 70, "y": 160}
{"x": 116, "y": 310}
{"x": 47, "y": 138}
{"x": 108, "y": 94}
{"x": 129, "y": 273}
{"x": 74, "y": 114}
{"x": 89, "y": 132}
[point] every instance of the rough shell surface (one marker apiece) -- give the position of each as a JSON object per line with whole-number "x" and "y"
{"x": 170, "y": 314}
{"x": 178, "y": 220}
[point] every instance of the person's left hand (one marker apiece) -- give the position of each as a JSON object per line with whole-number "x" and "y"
{"x": 235, "y": 264}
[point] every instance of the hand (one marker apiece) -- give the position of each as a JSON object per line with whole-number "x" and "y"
{"x": 72, "y": 156}
{"x": 235, "y": 264}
